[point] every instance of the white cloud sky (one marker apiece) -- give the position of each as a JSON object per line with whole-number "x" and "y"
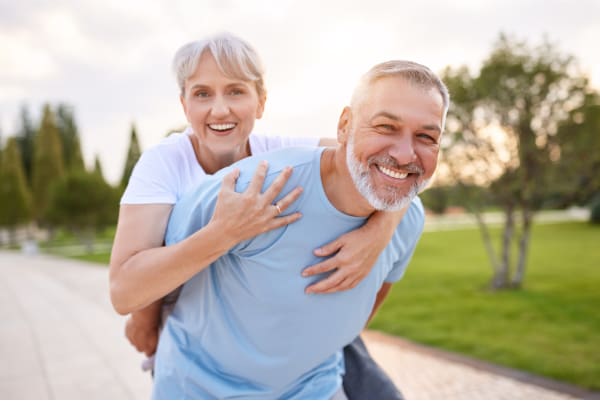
{"x": 110, "y": 59}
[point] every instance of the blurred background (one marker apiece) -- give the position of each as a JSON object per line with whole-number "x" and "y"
{"x": 508, "y": 268}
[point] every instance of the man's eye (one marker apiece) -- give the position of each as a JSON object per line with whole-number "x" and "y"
{"x": 427, "y": 137}
{"x": 202, "y": 94}
{"x": 386, "y": 127}
{"x": 236, "y": 92}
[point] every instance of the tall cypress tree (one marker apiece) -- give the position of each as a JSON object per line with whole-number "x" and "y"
{"x": 48, "y": 163}
{"x": 15, "y": 197}
{"x": 133, "y": 154}
{"x": 98, "y": 167}
{"x": 25, "y": 139}
{"x": 69, "y": 135}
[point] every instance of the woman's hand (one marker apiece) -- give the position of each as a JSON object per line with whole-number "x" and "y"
{"x": 354, "y": 254}
{"x": 250, "y": 213}
{"x": 142, "y": 328}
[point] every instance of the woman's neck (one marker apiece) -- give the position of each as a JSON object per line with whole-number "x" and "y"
{"x": 213, "y": 161}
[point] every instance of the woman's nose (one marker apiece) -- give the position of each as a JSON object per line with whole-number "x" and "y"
{"x": 220, "y": 107}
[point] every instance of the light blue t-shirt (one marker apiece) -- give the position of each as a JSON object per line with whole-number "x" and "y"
{"x": 243, "y": 327}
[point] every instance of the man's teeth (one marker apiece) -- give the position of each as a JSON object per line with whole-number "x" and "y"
{"x": 392, "y": 173}
{"x": 221, "y": 127}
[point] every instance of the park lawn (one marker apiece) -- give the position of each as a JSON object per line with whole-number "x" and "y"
{"x": 102, "y": 258}
{"x": 551, "y": 327}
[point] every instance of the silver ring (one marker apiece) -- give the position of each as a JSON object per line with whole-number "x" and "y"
{"x": 278, "y": 208}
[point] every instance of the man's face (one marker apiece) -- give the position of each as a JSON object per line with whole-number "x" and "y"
{"x": 392, "y": 139}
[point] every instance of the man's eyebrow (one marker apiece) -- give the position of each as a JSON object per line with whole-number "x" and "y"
{"x": 386, "y": 114}
{"x": 434, "y": 127}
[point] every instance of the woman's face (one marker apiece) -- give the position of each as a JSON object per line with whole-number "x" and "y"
{"x": 221, "y": 110}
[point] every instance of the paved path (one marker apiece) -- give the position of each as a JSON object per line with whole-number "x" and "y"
{"x": 61, "y": 339}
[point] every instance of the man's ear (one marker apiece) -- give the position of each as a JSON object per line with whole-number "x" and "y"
{"x": 344, "y": 125}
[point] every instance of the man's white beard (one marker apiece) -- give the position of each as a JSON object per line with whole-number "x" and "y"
{"x": 362, "y": 181}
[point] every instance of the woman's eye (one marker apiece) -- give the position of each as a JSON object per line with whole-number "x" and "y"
{"x": 386, "y": 127}
{"x": 202, "y": 94}
{"x": 237, "y": 92}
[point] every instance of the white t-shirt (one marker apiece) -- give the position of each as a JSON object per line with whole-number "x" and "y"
{"x": 170, "y": 169}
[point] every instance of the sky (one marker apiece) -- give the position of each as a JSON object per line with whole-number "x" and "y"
{"x": 111, "y": 59}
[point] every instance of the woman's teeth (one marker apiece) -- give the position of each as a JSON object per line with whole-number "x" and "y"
{"x": 221, "y": 127}
{"x": 392, "y": 173}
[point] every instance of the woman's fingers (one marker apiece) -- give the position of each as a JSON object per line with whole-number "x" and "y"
{"x": 277, "y": 185}
{"x": 322, "y": 267}
{"x": 230, "y": 179}
{"x": 287, "y": 200}
{"x": 335, "y": 282}
{"x": 258, "y": 179}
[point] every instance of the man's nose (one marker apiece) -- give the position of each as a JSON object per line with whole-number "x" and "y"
{"x": 220, "y": 107}
{"x": 403, "y": 149}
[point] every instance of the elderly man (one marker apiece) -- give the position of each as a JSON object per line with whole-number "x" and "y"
{"x": 244, "y": 326}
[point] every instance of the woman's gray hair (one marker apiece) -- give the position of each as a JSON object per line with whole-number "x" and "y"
{"x": 414, "y": 73}
{"x": 234, "y": 57}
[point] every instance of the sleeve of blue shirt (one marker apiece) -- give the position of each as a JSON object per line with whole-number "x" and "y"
{"x": 406, "y": 237}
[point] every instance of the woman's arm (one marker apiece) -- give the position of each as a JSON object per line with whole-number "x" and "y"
{"x": 354, "y": 253}
{"x": 143, "y": 271}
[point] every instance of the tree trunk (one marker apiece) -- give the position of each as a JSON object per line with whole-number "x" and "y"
{"x": 88, "y": 240}
{"x": 517, "y": 280}
{"x": 501, "y": 279}
{"x": 487, "y": 240}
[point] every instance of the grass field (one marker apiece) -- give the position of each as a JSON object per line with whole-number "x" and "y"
{"x": 551, "y": 327}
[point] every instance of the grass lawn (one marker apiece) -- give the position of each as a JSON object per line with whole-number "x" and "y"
{"x": 103, "y": 258}
{"x": 551, "y": 327}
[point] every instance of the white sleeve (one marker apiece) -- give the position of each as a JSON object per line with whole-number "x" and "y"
{"x": 151, "y": 181}
{"x": 267, "y": 143}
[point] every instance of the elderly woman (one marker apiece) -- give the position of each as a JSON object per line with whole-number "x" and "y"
{"x": 222, "y": 94}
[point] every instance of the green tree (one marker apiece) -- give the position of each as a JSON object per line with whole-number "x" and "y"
{"x": 48, "y": 165}
{"x": 84, "y": 203}
{"x": 15, "y": 198}
{"x": 71, "y": 146}
{"x": 25, "y": 138}
{"x": 576, "y": 178}
{"x": 98, "y": 167}
{"x": 502, "y": 133}
{"x": 133, "y": 154}
{"x": 435, "y": 199}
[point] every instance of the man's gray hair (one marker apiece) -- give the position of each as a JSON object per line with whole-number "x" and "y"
{"x": 414, "y": 73}
{"x": 234, "y": 57}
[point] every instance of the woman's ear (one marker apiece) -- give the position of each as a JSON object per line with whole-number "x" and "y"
{"x": 184, "y": 105}
{"x": 262, "y": 99}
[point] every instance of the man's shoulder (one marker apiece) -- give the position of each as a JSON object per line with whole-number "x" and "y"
{"x": 296, "y": 157}
{"x": 413, "y": 221}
